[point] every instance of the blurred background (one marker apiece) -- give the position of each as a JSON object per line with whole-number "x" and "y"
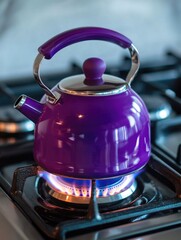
{"x": 153, "y": 26}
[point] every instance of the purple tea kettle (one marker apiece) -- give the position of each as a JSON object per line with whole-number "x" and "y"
{"x": 91, "y": 125}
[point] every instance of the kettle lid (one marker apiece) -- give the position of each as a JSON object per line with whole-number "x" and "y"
{"x": 94, "y": 82}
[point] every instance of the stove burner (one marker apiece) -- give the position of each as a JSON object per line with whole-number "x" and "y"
{"x": 50, "y": 207}
{"x": 158, "y": 107}
{"x": 78, "y": 191}
{"x": 13, "y": 122}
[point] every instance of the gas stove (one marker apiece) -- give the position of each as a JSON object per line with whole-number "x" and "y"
{"x": 143, "y": 205}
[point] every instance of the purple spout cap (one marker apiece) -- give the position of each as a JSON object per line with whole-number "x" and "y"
{"x": 93, "y": 69}
{"x": 31, "y": 108}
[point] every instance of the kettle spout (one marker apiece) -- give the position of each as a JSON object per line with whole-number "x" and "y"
{"x": 31, "y": 108}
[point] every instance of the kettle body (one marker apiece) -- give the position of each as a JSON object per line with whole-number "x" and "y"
{"x": 89, "y": 126}
{"x": 93, "y": 138}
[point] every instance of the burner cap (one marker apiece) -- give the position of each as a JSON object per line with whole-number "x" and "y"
{"x": 12, "y": 121}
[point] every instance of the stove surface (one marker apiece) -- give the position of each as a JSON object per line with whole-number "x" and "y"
{"x": 30, "y": 208}
{"x": 14, "y": 225}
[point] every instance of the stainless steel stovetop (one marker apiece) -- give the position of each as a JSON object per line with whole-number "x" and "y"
{"x": 29, "y": 209}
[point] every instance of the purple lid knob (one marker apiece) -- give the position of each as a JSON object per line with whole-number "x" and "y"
{"x": 93, "y": 69}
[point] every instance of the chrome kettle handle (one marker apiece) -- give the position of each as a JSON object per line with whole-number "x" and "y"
{"x": 60, "y": 41}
